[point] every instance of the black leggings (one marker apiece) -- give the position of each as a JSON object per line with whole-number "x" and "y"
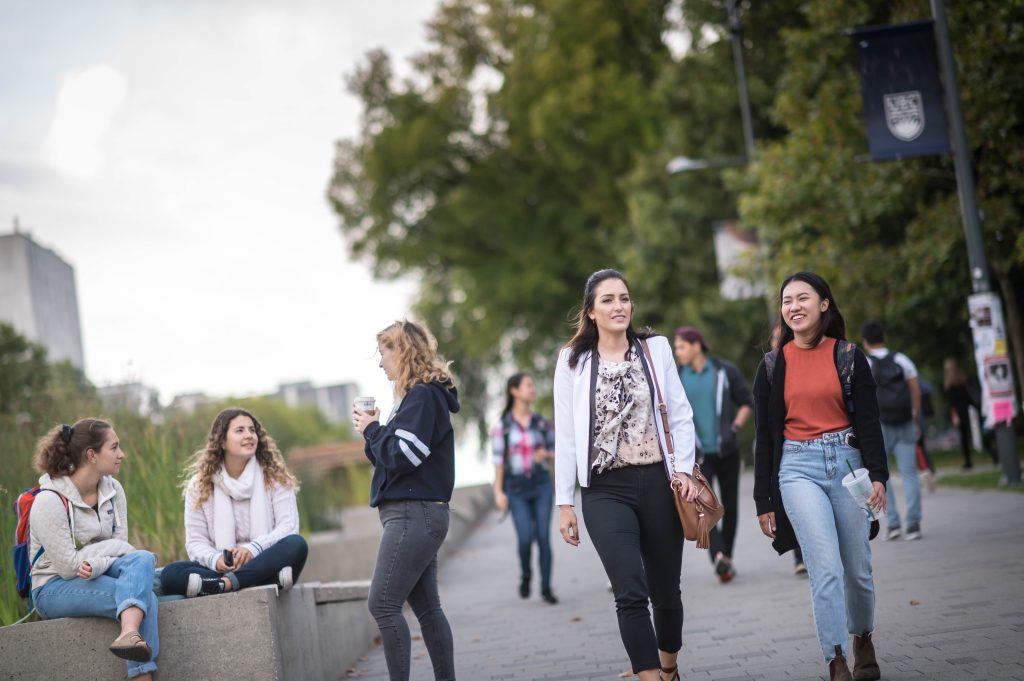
{"x": 727, "y": 470}
{"x": 632, "y": 521}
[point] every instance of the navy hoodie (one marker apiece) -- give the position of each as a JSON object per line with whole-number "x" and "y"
{"x": 413, "y": 456}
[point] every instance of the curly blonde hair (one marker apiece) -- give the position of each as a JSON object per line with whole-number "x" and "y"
{"x": 206, "y": 462}
{"x": 416, "y": 356}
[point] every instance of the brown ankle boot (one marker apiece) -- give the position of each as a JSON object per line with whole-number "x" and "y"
{"x": 865, "y": 666}
{"x": 838, "y": 670}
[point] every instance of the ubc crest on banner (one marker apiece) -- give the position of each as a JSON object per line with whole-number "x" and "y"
{"x": 904, "y": 114}
{"x": 903, "y": 105}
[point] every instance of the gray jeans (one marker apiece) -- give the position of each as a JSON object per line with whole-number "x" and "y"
{"x": 406, "y": 570}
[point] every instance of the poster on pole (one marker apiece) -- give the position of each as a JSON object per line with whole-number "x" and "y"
{"x": 998, "y": 401}
{"x": 899, "y": 77}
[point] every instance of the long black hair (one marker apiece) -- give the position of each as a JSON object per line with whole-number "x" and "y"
{"x": 585, "y": 339}
{"x": 832, "y": 323}
{"x": 513, "y": 382}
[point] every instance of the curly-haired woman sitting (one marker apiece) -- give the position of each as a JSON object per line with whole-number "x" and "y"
{"x": 241, "y": 518}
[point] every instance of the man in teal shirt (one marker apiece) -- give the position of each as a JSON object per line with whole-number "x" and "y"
{"x": 721, "y": 403}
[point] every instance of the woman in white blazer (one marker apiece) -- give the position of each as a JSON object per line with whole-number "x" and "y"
{"x": 609, "y": 437}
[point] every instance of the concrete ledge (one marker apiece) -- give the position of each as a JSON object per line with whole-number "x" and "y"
{"x": 317, "y": 630}
{"x": 255, "y": 634}
{"x": 350, "y": 554}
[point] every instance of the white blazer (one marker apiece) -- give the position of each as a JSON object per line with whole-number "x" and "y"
{"x": 574, "y": 407}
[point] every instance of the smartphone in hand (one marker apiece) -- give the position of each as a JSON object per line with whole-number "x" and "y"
{"x": 229, "y": 558}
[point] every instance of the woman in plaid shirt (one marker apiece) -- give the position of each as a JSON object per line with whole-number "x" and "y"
{"x": 523, "y": 443}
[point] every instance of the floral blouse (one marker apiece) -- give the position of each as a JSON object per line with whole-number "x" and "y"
{"x": 624, "y": 431}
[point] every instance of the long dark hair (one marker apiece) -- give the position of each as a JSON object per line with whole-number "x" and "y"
{"x": 513, "y": 382}
{"x": 585, "y": 339}
{"x": 832, "y": 323}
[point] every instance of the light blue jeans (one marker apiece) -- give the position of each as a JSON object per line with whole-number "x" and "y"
{"x": 901, "y": 443}
{"x": 127, "y": 582}
{"x": 833, "y": 534}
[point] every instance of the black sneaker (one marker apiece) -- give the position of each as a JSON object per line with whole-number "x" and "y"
{"x": 524, "y": 586}
{"x": 200, "y": 586}
{"x": 549, "y": 597}
{"x": 913, "y": 532}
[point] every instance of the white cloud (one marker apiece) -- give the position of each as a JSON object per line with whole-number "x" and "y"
{"x": 86, "y": 105}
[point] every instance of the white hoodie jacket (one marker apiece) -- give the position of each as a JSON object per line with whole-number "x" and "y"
{"x": 97, "y": 536}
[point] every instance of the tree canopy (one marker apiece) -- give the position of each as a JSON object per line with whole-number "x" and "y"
{"x": 527, "y": 148}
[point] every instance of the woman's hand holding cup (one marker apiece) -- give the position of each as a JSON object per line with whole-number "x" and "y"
{"x": 364, "y": 412}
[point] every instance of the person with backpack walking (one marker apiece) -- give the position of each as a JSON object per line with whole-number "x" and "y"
{"x": 721, "y": 403}
{"x": 610, "y": 436}
{"x": 816, "y": 418}
{"x": 82, "y": 563}
{"x": 899, "y": 410}
{"x": 413, "y": 458}
{"x": 523, "y": 442}
{"x": 241, "y": 516}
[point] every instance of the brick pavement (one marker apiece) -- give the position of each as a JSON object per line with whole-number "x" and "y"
{"x": 950, "y": 606}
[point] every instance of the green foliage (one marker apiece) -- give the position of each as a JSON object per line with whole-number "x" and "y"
{"x": 494, "y": 173}
{"x": 528, "y": 149}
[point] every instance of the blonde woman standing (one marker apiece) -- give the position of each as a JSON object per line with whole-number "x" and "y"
{"x": 241, "y": 516}
{"x": 413, "y": 459}
{"x": 609, "y": 437}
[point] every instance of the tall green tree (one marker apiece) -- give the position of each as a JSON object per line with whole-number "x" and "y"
{"x": 495, "y": 172}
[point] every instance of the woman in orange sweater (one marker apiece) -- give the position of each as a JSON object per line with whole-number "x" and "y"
{"x": 809, "y": 435}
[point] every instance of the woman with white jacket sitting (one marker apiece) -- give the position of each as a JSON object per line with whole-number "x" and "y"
{"x": 609, "y": 436}
{"x": 241, "y": 517}
{"x": 82, "y": 563}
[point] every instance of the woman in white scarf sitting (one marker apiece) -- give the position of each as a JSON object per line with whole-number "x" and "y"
{"x": 241, "y": 518}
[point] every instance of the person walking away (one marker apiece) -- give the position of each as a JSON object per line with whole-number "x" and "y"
{"x": 413, "y": 459}
{"x": 721, "y": 403}
{"x": 899, "y": 410}
{"x": 808, "y": 436}
{"x": 960, "y": 401}
{"x": 609, "y": 437}
{"x": 522, "y": 442}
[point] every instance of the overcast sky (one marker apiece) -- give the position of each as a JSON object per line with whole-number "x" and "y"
{"x": 177, "y": 155}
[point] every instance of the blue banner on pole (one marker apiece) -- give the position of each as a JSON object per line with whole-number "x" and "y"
{"x": 903, "y": 108}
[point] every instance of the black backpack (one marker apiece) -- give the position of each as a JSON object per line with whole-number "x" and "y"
{"x": 894, "y": 405}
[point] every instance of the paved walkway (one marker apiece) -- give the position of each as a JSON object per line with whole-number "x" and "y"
{"x": 950, "y": 606}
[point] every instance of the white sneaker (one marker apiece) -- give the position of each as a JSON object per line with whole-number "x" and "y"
{"x": 284, "y": 578}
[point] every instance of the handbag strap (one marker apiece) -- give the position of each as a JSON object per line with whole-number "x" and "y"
{"x": 662, "y": 409}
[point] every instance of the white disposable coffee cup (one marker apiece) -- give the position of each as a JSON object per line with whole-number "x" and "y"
{"x": 858, "y": 484}
{"x": 365, "y": 404}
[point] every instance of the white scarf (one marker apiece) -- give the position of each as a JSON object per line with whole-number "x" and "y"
{"x": 226, "y": 490}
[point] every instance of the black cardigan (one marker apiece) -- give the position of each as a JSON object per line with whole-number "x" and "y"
{"x": 769, "y": 418}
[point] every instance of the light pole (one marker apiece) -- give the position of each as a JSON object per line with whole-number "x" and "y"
{"x": 735, "y": 33}
{"x": 1005, "y": 443}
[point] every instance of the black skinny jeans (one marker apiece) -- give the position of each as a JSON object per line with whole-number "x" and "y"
{"x": 631, "y": 519}
{"x": 727, "y": 470}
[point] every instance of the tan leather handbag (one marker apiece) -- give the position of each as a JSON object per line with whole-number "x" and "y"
{"x": 700, "y": 515}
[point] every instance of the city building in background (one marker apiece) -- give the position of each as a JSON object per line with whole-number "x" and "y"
{"x": 134, "y": 396}
{"x": 38, "y": 297}
{"x": 333, "y": 401}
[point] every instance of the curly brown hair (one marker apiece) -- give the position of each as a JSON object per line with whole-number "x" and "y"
{"x": 60, "y": 451}
{"x": 416, "y": 356}
{"x": 206, "y": 462}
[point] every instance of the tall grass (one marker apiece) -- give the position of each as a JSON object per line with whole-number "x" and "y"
{"x": 155, "y": 457}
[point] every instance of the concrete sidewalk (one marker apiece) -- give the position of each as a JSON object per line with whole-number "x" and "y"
{"x": 950, "y": 606}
